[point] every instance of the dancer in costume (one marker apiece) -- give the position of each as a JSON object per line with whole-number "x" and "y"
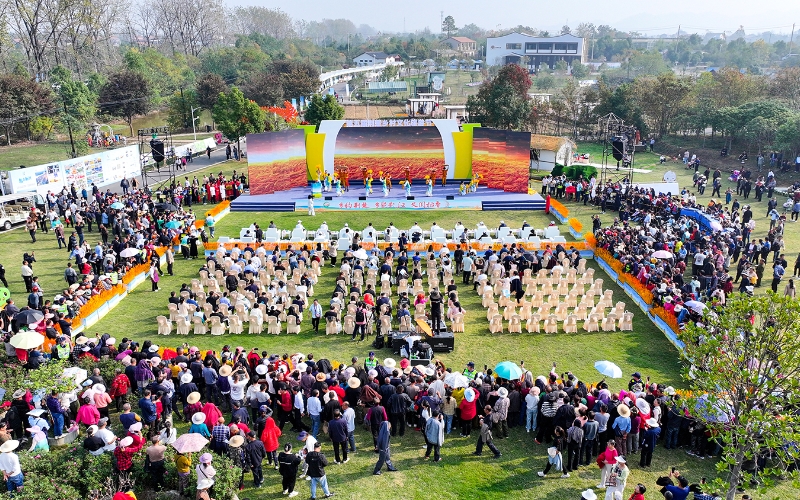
{"x": 319, "y": 174}
{"x": 368, "y": 182}
{"x": 338, "y": 182}
{"x": 462, "y": 189}
{"x": 407, "y": 171}
{"x": 383, "y": 184}
{"x": 429, "y": 184}
{"x": 445, "y": 168}
{"x": 327, "y": 185}
{"x": 407, "y": 185}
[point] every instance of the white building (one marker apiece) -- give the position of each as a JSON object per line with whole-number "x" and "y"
{"x": 547, "y": 150}
{"x": 534, "y": 52}
{"x": 372, "y": 58}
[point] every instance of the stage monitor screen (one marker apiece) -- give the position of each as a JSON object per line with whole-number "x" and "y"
{"x": 276, "y": 161}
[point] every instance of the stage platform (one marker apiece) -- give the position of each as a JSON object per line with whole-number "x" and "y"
{"x": 443, "y": 198}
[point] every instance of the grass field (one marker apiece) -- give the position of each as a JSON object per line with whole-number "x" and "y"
{"x": 514, "y": 475}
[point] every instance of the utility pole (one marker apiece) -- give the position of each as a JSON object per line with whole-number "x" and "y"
{"x": 69, "y": 129}
{"x": 791, "y": 39}
{"x": 194, "y": 130}
{"x": 441, "y": 19}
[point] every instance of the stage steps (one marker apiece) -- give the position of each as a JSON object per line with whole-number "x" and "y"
{"x": 242, "y": 204}
{"x": 513, "y": 205}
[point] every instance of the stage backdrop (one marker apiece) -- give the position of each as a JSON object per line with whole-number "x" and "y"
{"x": 390, "y": 149}
{"x": 502, "y": 158}
{"x": 276, "y": 161}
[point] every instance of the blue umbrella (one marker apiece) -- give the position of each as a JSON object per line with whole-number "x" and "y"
{"x": 508, "y": 370}
{"x": 173, "y": 224}
{"x": 117, "y": 205}
{"x": 608, "y": 369}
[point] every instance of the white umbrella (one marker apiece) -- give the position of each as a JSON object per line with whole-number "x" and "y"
{"x": 360, "y": 254}
{"x": 78, "y": 375}
{"x": 695, "y": 305}
{"x": 608, "y": 369}
{"x": 27, "y": 340}
{"x": 456, "y": 380}
{"x": 129, "y": 252}
{"x": 662, "y": 254}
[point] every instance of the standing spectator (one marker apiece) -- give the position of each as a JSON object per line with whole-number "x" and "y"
{"x": 156, "y": 469}
{"x": 486, "y": 434}
{"x": 590, "y": 432}
{"x": 574, "y": 445}
{"x": 270, "y": 436}
{"x": 500, "y": 413}
{"x": 532, "y": 409}
{"x": 649, "y": 440}
{"x": 9, "y": 463}
{"x": 255, "y": 452}
{"x": 124, "y": 454}
{"x": 317, "y": 462}
{"x": 385, "y": 454}
{"x": 349, "y": 416}
{"x": 434, "y": 435}
{"x": 337, "y": 430}
{"x": 288, "y": 462}
{"x": 31, "y": 226}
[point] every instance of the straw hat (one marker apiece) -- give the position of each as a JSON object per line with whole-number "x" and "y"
{"x": 225, "y": 370}
{"x": 19, "y": 393}
{"x": 389, "y": 363}
{"x": 588, "y": 495}
{"x": 186, "y": 378}
{"x": 502, "y": 392}
{"x": 408, "y": 369}
{"x": 193, "y": 398}
{"x": 623, "y": 410}
{"x": 236, "y": 441}
{"x": 198, "y": 418}
{"x": 81, "y": 340}
{"x": 429, "y": 371}
{"x": 126, "y": 441}
{"x": 321, "y": 377}
{"x": 153, "y": 348}
{"x": 354, "y": 382}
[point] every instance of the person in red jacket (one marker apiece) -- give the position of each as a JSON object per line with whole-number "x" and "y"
{"x": 270, "y": 437}
{"x": 638, "y": 492}
{"x": 285, "y": 406}
{"x": 468, "y": 410}
{"x": 119, "y": 388}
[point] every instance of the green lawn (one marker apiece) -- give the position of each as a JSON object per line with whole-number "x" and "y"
{"x": 11, "y": 157}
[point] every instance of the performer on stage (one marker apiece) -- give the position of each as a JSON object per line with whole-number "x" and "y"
{"x": 319, "y": 174}
{"x": 429, "y": 184}
{"x": 364, "y": 174}
{"x": 476, "y": 178}
{"x": 445, "y": 169}
{"x": 383, "y": 184}
{"x": 345, "y": 175}
{"x": 408, "y": 174}
{"x": 338, "y": 182}
{"x": 368, "y": 183}
{"x": 407, "y": 185}
{"x": 462, "y": 189}
{"x": 327, "y": 182}
{"x": 389, "y": 182}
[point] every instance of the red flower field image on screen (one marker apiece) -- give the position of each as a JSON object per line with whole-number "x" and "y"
{"x": 276, "y": 161}
{"x": 391, "y": 150}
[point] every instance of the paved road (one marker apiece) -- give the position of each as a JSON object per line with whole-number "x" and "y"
{"x": 156, "y": 178}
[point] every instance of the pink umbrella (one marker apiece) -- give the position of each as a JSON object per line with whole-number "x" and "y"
{"x": 190, "y": 443}
{"x": 124, "y": 353}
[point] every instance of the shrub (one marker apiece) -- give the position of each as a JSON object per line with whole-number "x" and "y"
{"x": 558, "y": 169}
{"x": 107, "y": 367}
{"x": 575, "y": 171}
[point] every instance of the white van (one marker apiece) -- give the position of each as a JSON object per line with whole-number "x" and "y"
{"x": 15, "y": 208}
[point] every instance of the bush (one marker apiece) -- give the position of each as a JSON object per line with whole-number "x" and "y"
{"x": 558, "y": 169}
{"x": 107, "y": 367}
{"x": 575, "y": 171}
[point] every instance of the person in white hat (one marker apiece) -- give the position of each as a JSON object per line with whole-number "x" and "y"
{"x": 9, "y": 463}
{"x": 649, "y": 440}
{"x": 615, "y": 483}
{"x": 203, "y": 486}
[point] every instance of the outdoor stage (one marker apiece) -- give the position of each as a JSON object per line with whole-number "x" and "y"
{"x": 447, "y": 197}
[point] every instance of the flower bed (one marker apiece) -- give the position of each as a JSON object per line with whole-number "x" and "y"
{"x": 560, "y": 211}
{"x": 575, "y": 228}
{"x": 637, "y": 286}
{"x": 95, "y": 302}
{"x": 667, "y": 316}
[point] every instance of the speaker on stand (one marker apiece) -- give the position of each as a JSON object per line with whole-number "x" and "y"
{"x": 618, "y": 145}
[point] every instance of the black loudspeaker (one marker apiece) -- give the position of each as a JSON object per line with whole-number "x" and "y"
{"x": 450, "y": 197}
{"x": 618, "y": 145}
{"x": 328, "y": 198}
{"x": 157, "y": 149}
{"x": 362, "y": 198}
{"x": 409, "y": 197}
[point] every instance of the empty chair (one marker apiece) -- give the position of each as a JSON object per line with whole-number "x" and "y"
{"x": 581, "y": 266}
{"x": 533, "y": 325}
{"x": 581, "y": 312}
{"x": 386, "y": 324}
{"x": 610, "y": 323}
{"x": 235, "y": 326}
{"x": 525, "y": 311}
{"x": 509, "y": 311}
{"x": 561, "y": 311}
{"x": 196, "y": 286}
{"x": 608, "y": 298}
{"x": 458, "y": 323}
{"x": 572, "y": 276}
{"x": 223, "y": 308}
{"x": 217, "y": 326}
{"x": 491, "y": 311}
{"x": 182, "y": 325}
{"x": 256, "y": 324}
{"x": 199, "y": 326}
{"x": 572, "y": 299}
{"x": 551, "y": 324}
{"x": 538, "y": 299}
{"x": 292, "y": 326}
{"x": 273, "y": 325}
{"x": 241, "y": 313}
{"x": 598, "y": 285}
{"x": 619, "y": 309}
{"x": 488, "y": 298}
{"x": 349, "y": 324}
{"x": 496, "y": 325}
{"x": 626, "y": 322}
{"x": 571, "y": 324}
{"x": 515, "y": 324}
{"x": 563, "y": 287}
{"x": 164, "y": 325}
{"x": 591, "y": 324}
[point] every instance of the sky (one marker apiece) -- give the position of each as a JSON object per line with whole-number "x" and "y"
{"x": 651, "y": 18}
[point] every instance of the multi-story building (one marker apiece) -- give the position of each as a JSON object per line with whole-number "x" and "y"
{"x": 535, "y": 53}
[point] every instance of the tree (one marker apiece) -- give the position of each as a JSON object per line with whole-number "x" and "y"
{"x": 471, "y": 31}
{"x": 744, "y": 375}
{"x": 566, "y": 30}
{"x": 236, "y": 116}
{"x": 579, "y": 70}
{"x": 323, "y": 108}
{"x": 264, "y": 88}
{"x": 179, "y": 111}
{"x": 297, "y": 78}
{"x": 73, "y": 96}
{"x": 449, "y": 26}
{"x": 544, "y": 82}
{"x": 21, "y": 99}
{"x": 126, "y": 94}
{"x": 208, "y": 89}
{"x": 503, "y": 101}
{"x": 254, "y": 19}
{"x": 661, "y": 99}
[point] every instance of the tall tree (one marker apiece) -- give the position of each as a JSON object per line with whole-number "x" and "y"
{"x": 298, "y": 78}
{"x": 661, "y": 99}
{"x": 264, "y": 88}
{"x": 323, "y": 108}
{"x": 744, "y": 374}
{"x": 208, "y": 88}
{"x": 237, "y": 116}
{"x": 503, "y": 101}
{"x": 21, "y": 99}
{"x": 126, "y": 94}
{"x": 449, "y": 26}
